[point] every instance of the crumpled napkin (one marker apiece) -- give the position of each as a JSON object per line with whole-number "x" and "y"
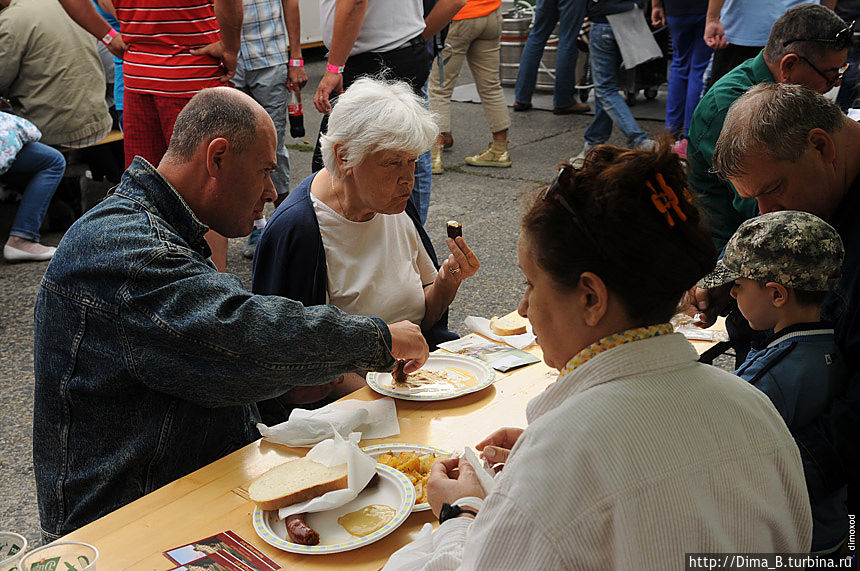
{"x": 333, "y": 452}
{"x": 482, "y": 326}
{"x": 374, "y": 419}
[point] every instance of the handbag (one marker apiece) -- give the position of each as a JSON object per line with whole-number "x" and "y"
{"x": 15, "y": 132}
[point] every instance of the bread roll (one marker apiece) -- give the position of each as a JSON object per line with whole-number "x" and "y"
{"x": 294, "y": 482}
{"x": 508, "y": 325}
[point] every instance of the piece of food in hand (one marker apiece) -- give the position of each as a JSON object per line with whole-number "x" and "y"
{"x": 399, "y": 373}
{"x": 294, "y": 482}
{"x": 454, "y": 229}
{"x": 508, "y": 325}
{"x": 300, "y": 532}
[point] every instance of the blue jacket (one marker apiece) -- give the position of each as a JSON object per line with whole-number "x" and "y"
{"x": 801, "y": 370}
{"x": 148, "y": 360}
{"x": 290, "y": 258}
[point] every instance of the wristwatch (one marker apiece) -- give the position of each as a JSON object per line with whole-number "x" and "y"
{"x": 448, "y": 511}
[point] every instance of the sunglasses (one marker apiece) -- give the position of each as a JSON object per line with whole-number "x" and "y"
{"x": 840, "y": 41}
{"x": 553, "y": 194}
{"x": 830, "y": 79}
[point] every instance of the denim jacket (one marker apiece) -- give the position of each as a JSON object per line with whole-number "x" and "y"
{"x": 147, "y": 358}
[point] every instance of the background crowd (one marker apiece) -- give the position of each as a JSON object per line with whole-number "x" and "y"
{"x": 745, "y": 86}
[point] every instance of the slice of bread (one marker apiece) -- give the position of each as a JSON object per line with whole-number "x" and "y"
{"x": 294, "y": 482}
{"x": 512, "y": 324}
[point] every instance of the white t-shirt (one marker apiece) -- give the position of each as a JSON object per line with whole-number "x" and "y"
{"x": 378, "y": 267}
{"x": 388, "y": 24}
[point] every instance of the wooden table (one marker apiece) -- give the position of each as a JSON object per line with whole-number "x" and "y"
{"x": 213, "y": 499}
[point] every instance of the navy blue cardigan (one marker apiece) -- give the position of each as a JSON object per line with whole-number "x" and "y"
{"x": 290, "y": 258}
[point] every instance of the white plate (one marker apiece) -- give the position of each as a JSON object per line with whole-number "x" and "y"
{"x": 377, "y": 450}
{"x": 394, "y": 489}
{"x": 470, "y": 375}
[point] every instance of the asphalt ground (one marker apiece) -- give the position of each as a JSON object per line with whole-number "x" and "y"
{"x": 488, "y": 201}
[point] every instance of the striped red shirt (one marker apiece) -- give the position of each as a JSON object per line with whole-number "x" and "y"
{"x": 160, "y": 35}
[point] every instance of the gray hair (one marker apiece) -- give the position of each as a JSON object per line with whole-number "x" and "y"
{"x": 375, "y": 115}
{"x": 807, "y": 21}
{"x": 211, "y": 113}
{"x": 774, "y": 118}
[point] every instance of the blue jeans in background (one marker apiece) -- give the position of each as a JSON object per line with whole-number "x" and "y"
{"x": 690, "y": 58}
{"x": 547, "y": 13}
{"x": 609, "y": 106}
{"x": 47, "y": 166}
{"x": 420, "y": 196}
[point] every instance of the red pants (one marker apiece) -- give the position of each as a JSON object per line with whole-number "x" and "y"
{"x": 148, "y": 124}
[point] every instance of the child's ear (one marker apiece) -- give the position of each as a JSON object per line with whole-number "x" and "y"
{"x": 778, "y": 294}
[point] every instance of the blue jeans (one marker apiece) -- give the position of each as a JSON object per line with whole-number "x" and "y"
{"x": 47, "y": 165}
{"x": 423, "y": 177}
{"x": 609, "y": 106}
{"x": 547, "y": 13}
{"x": 690, "y": 58}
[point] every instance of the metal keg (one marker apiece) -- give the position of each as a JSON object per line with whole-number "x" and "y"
{"x": 515, "y": 32}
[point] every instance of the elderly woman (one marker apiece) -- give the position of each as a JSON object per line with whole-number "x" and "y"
{"x": 637, "y": 454}
{"x": 348, "y": 235}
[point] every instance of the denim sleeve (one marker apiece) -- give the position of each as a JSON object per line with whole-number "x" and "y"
{"x": 199, "y": 335}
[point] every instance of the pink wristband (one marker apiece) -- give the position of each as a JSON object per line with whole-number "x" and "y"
{"x": 109, "y": 36}
{"x": 333, "y": 68}
{"x": 297, "y": 63}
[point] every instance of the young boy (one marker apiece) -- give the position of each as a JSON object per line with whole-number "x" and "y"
{"x": 783, "y": 265}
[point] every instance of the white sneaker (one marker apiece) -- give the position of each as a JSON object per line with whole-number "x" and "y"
{"x": 15, "y": 255}
{"x": 578, "y": 159}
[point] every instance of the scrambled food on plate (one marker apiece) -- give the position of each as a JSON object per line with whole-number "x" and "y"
{"x": 415, "y": 466}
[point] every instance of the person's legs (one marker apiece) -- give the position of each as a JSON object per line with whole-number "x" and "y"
{"x": 483, "y": 58}
{"x": 570, "y": 15}
{"x": 268, "y": 87}
{"x": 420, "y": 196}
{"x": 605, "y": 59}
{"x": 679, "y": 70}
{"x": 47, "y": 166}
{"x": 848, "y": 92}
{"x": 545, "y": 18}
{"x": 701, "y": 58}
{"x": 460, "y": 36}
{"x": 142, "y": 135}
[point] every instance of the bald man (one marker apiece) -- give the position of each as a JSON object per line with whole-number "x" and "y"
{"x": 147, "y": 359}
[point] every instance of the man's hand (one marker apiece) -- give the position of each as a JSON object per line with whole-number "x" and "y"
{"x": 408, "y": 343}
{"x": 227, "y": 58}
{"x": 715, "y": 35}
{"x": 330, "y": 83}
{"x": 497, "y": 447}
{"x": 658, "y": 17}
{"x": 711, "y": 302}
{"x": 296, "y": 77}
{"x": 449, "y": 480}
{"x": 117, "y": 46}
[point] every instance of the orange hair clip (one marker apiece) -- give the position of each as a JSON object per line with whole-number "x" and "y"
{"x": 665, "y": 200}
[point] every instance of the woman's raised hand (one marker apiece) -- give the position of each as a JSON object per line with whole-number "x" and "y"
{"x": 497, "y": 447}
{"x": 462, "y": 262}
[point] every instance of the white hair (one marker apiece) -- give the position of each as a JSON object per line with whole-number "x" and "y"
{"x": 376, "y": 115}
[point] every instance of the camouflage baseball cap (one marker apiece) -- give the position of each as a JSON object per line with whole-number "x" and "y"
{"x": 795, "y": 249}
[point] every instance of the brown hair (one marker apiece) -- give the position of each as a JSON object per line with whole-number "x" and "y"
{"x": 641, "y": 258}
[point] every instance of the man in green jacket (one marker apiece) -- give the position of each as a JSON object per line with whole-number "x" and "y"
{"x": 807, "y": 46}
{"x": 51, "y": 72}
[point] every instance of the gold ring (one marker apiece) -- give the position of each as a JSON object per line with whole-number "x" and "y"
{"x": 455, "y": 271}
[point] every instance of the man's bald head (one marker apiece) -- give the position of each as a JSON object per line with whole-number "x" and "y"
{"x": 212, "y": 113}
{"x": 773, "y": 120}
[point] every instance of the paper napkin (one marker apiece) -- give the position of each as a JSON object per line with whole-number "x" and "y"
{"x": 373, "y": 419}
